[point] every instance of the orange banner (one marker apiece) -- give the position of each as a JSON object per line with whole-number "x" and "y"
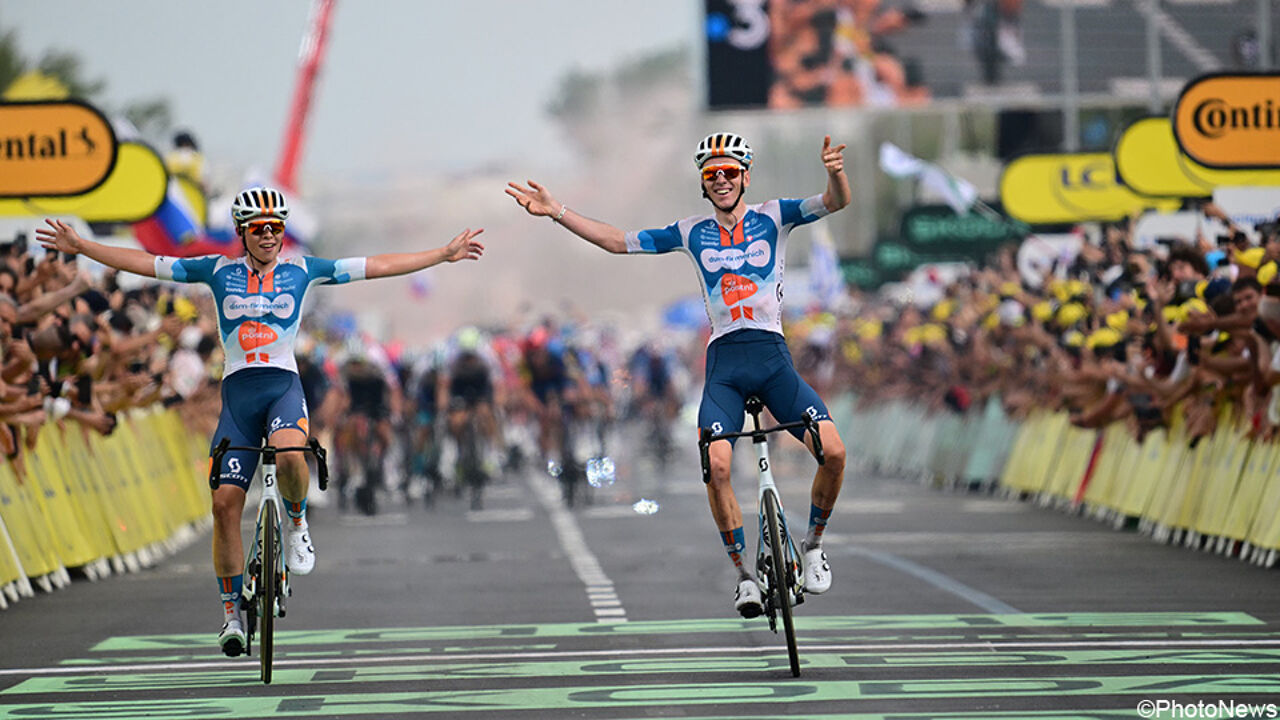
{"x": 53, "y": 148}
{"x": 1230, "y": 121}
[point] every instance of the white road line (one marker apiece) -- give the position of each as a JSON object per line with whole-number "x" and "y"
{"x": 574, "y": 544}
{"x": 379, "y": 520}
{"x": 809, "y": 647}
{"x": 519, "y": 514}
{"x": 938, "y": 580}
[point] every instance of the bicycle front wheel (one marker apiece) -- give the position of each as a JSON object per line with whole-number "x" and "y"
{"x": 779, "y": 581}
{"x": 270, "y": 585}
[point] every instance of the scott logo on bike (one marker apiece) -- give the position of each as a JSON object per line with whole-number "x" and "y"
{"x": 764, "y": 464}
{"x": 717, "y": 428}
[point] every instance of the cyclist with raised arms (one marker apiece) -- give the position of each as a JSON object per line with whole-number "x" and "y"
{"x": 739, "y": 250}
{"x": 259, "y": 298}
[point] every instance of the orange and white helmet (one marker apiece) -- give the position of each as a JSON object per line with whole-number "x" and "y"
{"x": 724, "y": 144}
{"x": 258, "y": 202}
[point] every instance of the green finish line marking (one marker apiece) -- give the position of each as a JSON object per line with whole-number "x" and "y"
{"x": 790, "y": 692}
{"x": 713, "y": 626}
{"x": 452, "y": 671}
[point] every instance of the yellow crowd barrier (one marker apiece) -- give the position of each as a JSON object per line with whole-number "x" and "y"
{"x": 1221, "y": 492}
{"x": 83, "y": 500}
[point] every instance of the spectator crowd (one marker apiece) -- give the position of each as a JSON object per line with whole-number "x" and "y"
{"x": 80, "y": 351}
{"x": 1185, "y": 332}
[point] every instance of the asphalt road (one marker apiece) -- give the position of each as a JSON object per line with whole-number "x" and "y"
{"x": 945, "y": 605}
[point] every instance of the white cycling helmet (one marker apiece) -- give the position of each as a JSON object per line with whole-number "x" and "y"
{"x": 259, "y": 202}
{"x": 723, "y": 144}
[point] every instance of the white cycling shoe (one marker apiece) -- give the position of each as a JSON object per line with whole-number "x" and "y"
{"x": 232, "y": 639}
{"x": 747, "y": 600}
{"x": 302, "y": 555}
{"x": 817, "y": 572}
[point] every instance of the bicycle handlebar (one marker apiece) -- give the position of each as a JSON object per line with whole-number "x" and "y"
{"x": 312, "y": 446}
{"x": 706, "y": 437}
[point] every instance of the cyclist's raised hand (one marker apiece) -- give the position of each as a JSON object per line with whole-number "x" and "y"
{"x": 60, "y": 236}
{"x": 832, "y": 157}
{"x": 535, "y": 199}
{"x": 464, "y": 247}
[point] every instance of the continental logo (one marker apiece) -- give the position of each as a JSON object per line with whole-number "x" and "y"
{"x": 53, "y": 149}
{"x": 1230, "y": 121}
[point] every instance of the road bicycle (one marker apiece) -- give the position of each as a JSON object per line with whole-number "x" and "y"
{"x": 778, "y": 567}
{"x": 266, "y": 573}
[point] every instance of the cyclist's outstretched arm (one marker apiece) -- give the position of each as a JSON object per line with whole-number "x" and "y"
{"x": 537, "y": 201}
{"x": 462, "y": 247}
{"x": 837, "y": 194}
{"x": 65, "y": 239}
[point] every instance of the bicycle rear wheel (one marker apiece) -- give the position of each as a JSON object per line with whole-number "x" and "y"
{"x": 779, "y": 582}
{"x": 269, "y": 586}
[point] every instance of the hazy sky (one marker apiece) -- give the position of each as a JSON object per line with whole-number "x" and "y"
{"x": 406, "y": 84}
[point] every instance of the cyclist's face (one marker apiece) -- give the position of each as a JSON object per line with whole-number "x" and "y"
{"x": 264, "y": 238}
{"x": 724, "y": 191}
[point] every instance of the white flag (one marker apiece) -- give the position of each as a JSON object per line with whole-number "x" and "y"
{"x": 898, "y": 163}
{"x": 826, "y": 282}
{"x": 958, "y": 193}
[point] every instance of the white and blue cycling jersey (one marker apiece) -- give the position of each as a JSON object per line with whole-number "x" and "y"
{"x": 741, "y": 267}
{"x": 258, "y": 315}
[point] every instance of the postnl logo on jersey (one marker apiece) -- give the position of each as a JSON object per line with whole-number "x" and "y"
{"x": 255, "y": 334}
{"x": 235, "y": 306}
{"x": 735, "y": 288}
{"x": 756, "y": 254}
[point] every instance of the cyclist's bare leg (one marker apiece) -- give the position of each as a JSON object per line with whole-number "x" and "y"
{"x": 228, "y": 550}
{"x": 724, "y": 505}
{"x": 728, "y": 517}
{"x": 830, "y": 475}
{"x": 826, "y": 482}
{"x": 291, "y": 466}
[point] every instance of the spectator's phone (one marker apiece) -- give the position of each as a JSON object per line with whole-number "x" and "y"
{"x": 20, "y": 243}
{"x": 33, "y": 385}
{"x": 84, "y": 390}
{"x": 50, "y": 253}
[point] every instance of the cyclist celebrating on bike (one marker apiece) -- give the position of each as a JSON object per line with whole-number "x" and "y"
{"x": 739, "y": 250}
{"x": 259, "y": 297}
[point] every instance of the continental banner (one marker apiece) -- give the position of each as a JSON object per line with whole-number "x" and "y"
{"x": 1149, "y": 161}
{"x": 53, "y": 148}
{"x": 1068, "y": 188}
{"x": 1230, "y": 120}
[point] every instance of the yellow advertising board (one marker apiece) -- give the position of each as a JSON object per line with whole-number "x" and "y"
{"x": 1072, "y": 187}
{"x": 1149, "y": 162}
{"x": 1230, "y": 120}
{"x": 53, "y": 148}
{"x": 132, "y": 192}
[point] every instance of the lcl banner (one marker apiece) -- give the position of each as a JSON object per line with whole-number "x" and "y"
{"x": 1149, "y": 161}
{"x": 1230, "y": 120}
{"x": 1068, "y": 188}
